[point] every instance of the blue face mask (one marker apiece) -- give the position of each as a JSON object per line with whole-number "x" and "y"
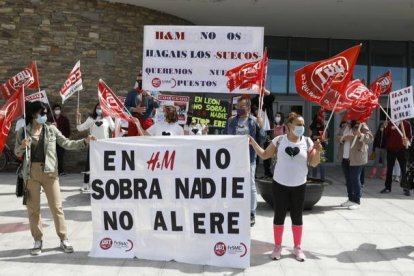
{"x": 99, "y": 112}
{"x": 241, "y": 112}
{"x": 299, "y": 131}
{"x": 41, "y": 119}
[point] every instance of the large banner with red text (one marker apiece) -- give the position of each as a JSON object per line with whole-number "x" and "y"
{"x": 172, "y": 198}
{"x": 196, "y": 58}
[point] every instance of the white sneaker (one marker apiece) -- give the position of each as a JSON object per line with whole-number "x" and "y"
{"x": 355, "y": 206}
{"x": 66, "y": 246}
{"x": 347, "y": 203}
{"x": 37, "y": 248}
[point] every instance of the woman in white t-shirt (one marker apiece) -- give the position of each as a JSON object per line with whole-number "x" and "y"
{"x": 191, "y": 128}
{"x": 168, "y": 127}
{"x": 294, "y": 151}
{"x": 98, "y": 126}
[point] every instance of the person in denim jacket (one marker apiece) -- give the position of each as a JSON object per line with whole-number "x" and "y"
{"x": 246, "y": 124}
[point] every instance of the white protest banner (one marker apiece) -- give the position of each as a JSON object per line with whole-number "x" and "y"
{"x": 73, "y": 83}
{"x": 181, "y": 104}
{"x": 182, "y": 198}
{"x": 38, "y": 96}
{"x": 402, "y": 104}
{"x": 196, "y": 58}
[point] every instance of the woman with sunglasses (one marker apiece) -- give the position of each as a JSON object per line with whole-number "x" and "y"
{"x": 294, "y": 152}
{"x": 40, "y": 170}
{"x": 99, "y": 127}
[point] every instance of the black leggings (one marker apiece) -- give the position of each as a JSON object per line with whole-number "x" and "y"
{"x": 285, "y": 198}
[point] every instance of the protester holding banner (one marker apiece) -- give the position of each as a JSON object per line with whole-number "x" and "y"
{"x": 353, "y": 158}
{"x": 245, "y": 124}
{"x": 40, "y": 170}
{"x": 294, "y": 152}
{"x": 396, "y": 147}
{"x": 141, "y": 104}
{"x": 99, "y": 127}
{"x": 62, "y": 123}
{"x": 379, "y": 153}
{"x": 168, "y": 127}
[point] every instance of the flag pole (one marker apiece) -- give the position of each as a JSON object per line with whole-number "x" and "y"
{"x": 330, "y": 117}
{"x": 77, "y": 110}
{"x": 388, "y": 116}
{"x": 24, "y": 126}
{"x": 355, "y": 138}
{"x": 51, "y": 111}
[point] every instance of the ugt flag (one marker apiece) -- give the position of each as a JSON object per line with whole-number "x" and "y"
{"x": 362, "y": 102}
{"x": 384, "y": 82}
{"x": 249, "y": 75}
{"x": 28, "y": 78}
{"x": 12, "y": 109}
{"x": 110, "y": 103}
{"x": 324, "y": 81}
{"x": 72, "y": 84}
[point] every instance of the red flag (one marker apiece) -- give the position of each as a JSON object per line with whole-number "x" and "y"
{"x": 322, "y": 82}
{"x": 364, "y": 102}
{"x": 110, "y": 103}
{"x": 12, "y": 109}
{"x": 28, "y": 78}
{"x": 248, "y": 75}
{"x": 384, "y": 82}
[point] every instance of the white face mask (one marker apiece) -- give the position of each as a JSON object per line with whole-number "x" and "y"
{"x": 57, "y": 112}
{"x": 277, "y": 119}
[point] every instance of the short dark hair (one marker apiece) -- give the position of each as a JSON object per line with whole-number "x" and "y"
{"x": 33, "y": 108}
{"x": 56, "y": 105}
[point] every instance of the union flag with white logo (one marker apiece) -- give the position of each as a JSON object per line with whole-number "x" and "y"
{"x": 324, "y": 81}
{"x": 12, "y": 109}
{"x": 73, "y": 83}
{"x": 250, "y": 75}
{"x": 384, "y": 82}
{"x": 28, "y": 77}
{"x": 110, "y": 103}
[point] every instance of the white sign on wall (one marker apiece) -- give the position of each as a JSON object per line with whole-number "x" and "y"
{"x": 164, "y": 198}
{"x": 402, "y": 104}
{"x": 196, "y": 58}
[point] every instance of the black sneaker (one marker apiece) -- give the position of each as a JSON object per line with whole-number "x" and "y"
{"x": 407, "y": 192}
{"x": 385, "y": 191}
{"x": 252, "y": 220}
{"x": 37, "y": 248}
{"x": 66, "y": 246}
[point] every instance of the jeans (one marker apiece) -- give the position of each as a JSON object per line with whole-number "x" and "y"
{"x": 253, "y": 199}
{"x": 321, "y": 167}
{"x": 353, "y": 181}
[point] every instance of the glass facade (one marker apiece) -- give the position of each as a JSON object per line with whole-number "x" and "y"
{"x": 287, "y": 54}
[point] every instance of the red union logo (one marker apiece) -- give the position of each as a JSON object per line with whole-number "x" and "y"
{"x": 105, "y": 243}
{"x": 337, "y": 67}
{"x": 220, "y": 249}
{"x": 156, "y": 82}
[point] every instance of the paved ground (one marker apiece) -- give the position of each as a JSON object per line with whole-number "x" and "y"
{"x": 376, "y": 240}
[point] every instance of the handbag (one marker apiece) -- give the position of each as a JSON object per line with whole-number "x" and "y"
{"x": 372, "y": 156}
{"x": 19, "y": 183}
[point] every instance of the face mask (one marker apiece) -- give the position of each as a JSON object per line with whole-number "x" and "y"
{"x": 99, "y": 112}
{"x": 241, "y": 112}
{"x": 41, "y": 119}
{"x": 277, "y": 119}
{"x": 57, "y": 112}
{"x": 299, "y": 130}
